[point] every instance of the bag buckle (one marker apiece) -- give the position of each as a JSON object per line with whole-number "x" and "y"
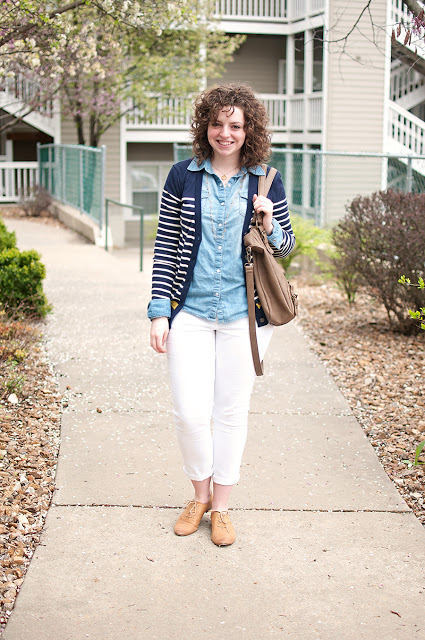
{"x": 248, "y": 255}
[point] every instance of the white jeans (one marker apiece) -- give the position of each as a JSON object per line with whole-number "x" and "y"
{"x": 211, "y": 375}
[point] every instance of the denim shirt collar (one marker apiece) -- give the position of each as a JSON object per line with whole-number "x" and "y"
{"x": 206, "y": 164}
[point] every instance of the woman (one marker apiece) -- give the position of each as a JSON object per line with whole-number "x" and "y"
{"x": 199, "y": 308}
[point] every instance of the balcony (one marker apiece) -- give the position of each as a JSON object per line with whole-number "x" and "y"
{"x": 406, "y": 132}
{"x": 279, "y": 10}
{"x": 170, "y": 119}
{"x": 268, "y": 17}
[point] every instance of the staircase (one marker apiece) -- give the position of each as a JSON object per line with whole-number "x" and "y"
{"x": 15, "y": 95}
{"x": 406, "y": 130}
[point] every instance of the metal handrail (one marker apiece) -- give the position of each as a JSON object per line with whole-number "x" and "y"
{"x": 128, "y": 206}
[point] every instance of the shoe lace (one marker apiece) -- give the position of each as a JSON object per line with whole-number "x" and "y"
{"x": 192, "y": 511}
{"x": 221, "y": 521}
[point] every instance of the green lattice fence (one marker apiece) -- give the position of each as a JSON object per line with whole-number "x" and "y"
{"x": 319, "y": 184}
{"x": 75, "y": 175}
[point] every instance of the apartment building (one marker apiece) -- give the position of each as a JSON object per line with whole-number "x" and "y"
{"x": 330, "y": 76}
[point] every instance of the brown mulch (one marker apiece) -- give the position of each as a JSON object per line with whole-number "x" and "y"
{"x": 29, "y": 447}
{"x": 381, "y": 375}
{"x": 29, "y": 443}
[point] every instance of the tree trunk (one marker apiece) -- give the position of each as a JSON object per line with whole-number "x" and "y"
{"x": 80, "y": 128}
{"x": 94, "y": 131}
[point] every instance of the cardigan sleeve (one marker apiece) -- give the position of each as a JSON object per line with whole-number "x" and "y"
{"x": 166, "y": 245}
{"x": 281, "y": 216}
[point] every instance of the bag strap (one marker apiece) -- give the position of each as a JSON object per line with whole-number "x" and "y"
{"x": 258, "y": 366}
{"x": 264, "y": 184}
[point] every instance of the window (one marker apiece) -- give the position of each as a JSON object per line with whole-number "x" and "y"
{"x": 3, "y": 145}
{"x": 145, "y": 182}
{"x": 318, "y": 60}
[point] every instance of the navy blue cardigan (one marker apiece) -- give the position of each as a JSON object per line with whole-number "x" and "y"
{"x": 180, "y": 233}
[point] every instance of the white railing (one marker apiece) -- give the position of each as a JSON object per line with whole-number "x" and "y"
{"x": 406, "y": 86}
{"x": 405, "y": 80}
{"x": 400, "y": 14}
{"x": 250, "y": 9}
{"x": 165, "y": 113}
{"x": 17, "y": 89}
{"x": 280, "y": 10}
{"x": 406, "y": 134}
{"x": 17, "y": 179}
{"x": 301, "y": 112}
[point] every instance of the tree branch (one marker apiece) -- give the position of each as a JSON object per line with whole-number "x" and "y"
{"x": 347, "y": 35}
{"x": 18, "y": 32}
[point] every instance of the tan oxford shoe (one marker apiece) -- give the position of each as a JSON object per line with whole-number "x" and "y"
{"x": 223, "y": 532}
{"x": 188, "y": 521}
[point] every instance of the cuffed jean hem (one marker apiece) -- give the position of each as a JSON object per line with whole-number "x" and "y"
{"x": 191, "y": 476}
{"x": 226, "y": 482}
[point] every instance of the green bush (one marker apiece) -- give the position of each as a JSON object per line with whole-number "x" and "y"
{"x": 21, "y": 288}
{"x": 7, "y": 238}
{"x": 381, "y": 238}
{"x": 309, "y": 239}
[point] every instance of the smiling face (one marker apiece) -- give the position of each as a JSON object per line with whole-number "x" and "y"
{"x": 226, "y": 134}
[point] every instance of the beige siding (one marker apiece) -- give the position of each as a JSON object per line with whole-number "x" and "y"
{"x": 111, "y": 139}
{"x": 256, "y": 63}
{"x": 355, "y": 105}
{"x": 356, "y": 78}
{"x": 346, "y": 178}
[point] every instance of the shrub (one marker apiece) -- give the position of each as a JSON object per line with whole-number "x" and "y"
{"x": 21, "y": 276}
{"x": 381, "y": 238}
{"x": 34, "y": 202}
{"x": 419, "y": 314}
{"x": 7, "y": 238}
{"x": 309, "y": 239}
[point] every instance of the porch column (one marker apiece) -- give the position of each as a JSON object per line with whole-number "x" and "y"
{"x": 308, "y": 75}
{"x": 290, "y": 78}
{"x": 307, "y": 160}
{"x": 290, "y": 64}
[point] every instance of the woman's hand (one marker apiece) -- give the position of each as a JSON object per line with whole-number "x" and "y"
{"x": 265, "y": 206}
{"x": 159, "y": 334}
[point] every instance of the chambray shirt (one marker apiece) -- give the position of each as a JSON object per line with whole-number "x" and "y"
{"x": 218, "y": 291}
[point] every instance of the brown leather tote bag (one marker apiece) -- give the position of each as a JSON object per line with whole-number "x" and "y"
{"x": 275, "y": 293}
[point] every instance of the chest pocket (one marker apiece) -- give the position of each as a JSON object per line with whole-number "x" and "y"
{"x": 243, "y": 204}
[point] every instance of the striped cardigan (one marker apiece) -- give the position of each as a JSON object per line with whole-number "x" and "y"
{"x": 180, "y": 233}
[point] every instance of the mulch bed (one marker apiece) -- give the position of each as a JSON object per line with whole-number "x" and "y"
{"x": 29, "y": 447}
{"x": 381, "y": 375}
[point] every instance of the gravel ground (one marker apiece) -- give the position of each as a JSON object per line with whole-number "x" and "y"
{"x": 379, "y": 373}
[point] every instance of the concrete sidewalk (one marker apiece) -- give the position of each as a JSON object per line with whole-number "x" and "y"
{"x": 326, "y": 547}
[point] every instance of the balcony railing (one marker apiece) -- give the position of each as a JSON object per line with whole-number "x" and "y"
{"x": 17, "y": 179}
{"x": 18, "y": 90}
{"x": 406, "y": 133}
{"x": 280, "y": 10}
{"x": 406, "y": 82}
{"x": 167, "y": 113}
{"x": 302, "y": 112}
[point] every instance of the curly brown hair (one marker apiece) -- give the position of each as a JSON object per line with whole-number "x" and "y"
{"x": 257, "y": 146}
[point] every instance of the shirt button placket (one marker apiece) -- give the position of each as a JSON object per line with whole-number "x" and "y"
{"x": 219, "y": 256}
